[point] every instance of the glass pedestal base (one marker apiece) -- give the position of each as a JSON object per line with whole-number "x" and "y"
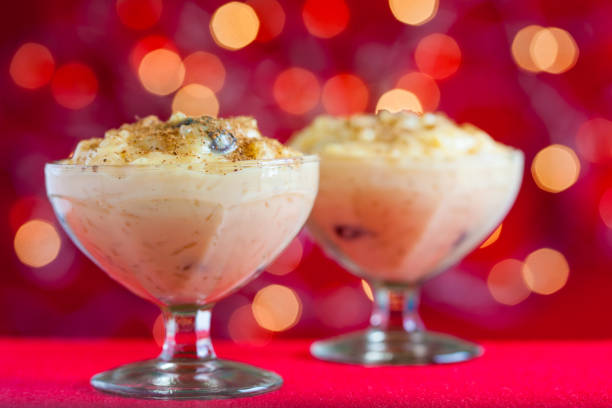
{"x": 186, "y": 379}
{"x": 378, "y": 347}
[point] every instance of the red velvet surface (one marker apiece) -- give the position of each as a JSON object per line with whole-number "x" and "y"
{"x": 55, "y": 373}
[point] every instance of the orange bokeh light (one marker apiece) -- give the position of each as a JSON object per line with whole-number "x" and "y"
{"x": 414, "y": 12}
{"x": 424, "y": 87}
{"x": 195, "y": 100}
{"x": 288, "y": 260}
{"x": 37, "y": 243}
{"x": 296, "y": 90}
{"x": 545, "y": 271}
{"x": 506, "y": 284}
{"x": 205, "y": 69}
{"x": 276, "y": 308}
{"x": 161, "y": 72}
{"x": 521, "y": 47}
{"x": 438, "y": 55}
{"x": 367, "y": 289}
{"x": 139, "y": 14}
{"x": 32, "y": 66}
{"x": 74, "y": 85}
{"x": 549, "y": 49}
{"x": 325, "y": 18}
{"x": 493, "y": 237}
{"x": 594, "y": 140}
{"x": 234, "y": 25}
{"x": 271, "y": 18}
{"x": 148, "y": 44}
{"x": 397, "y": 100}
{"x": 345, "y": 94}
{"x": 555, "y": 168}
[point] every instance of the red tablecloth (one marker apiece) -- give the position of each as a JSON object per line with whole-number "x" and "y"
{"x": 55, "y": 373}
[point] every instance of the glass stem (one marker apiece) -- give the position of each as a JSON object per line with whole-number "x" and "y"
{"x": 396, "y": 308}
{"x": 187, "y": 333}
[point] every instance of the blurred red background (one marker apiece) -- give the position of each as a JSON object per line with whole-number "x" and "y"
{"x": 71, "y": 70}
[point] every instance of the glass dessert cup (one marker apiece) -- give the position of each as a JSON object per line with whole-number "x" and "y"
{"x": 184, "y": 238}
{"x": 396, "y": 224}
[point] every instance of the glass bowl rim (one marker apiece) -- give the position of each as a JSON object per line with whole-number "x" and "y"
{"x": 262, "y": 163}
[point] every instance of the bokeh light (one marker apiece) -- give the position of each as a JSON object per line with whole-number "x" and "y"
{"x": 234, "y": 25}
{"x": 243, "y": 329}
{"x": 288, "y": 260}
{"x": 493, "y": 237}
{"x": 139, "y": 14}
{"x": 605, "y": 207}
{"x": 161, "y": 72}
{"x": 205, "y": 69}
{"x": 325, "y": 18}
{"x": 345, "y": 94}
{"x": 37, "y": 243}
{"x": 553, "y": 50}
{"x": 276, "y": 308}
{"x": 74, "y": 85}
{"x": 438, "y": 55}
{"x": 32, "y": 66}
{"x": 506, "y": 283}
{"x": 195, "y": 100}
{"x": 367, "y": 289}
{"x": 414, "y": 12}
{"x": 397, "y": 100}
{"x": 545, "y": 271}
{"x": 296, "y": 90}
{"x": 555, "y": 168}
{"x": 594, "y": 140}
{"x": 148, "y": 44}
{"x": 520, "y": 47}
{"x": 424, "y": 87}
{"x": 271, "y": 18}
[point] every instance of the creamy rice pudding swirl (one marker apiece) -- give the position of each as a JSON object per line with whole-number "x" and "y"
{"x": 403, "y": 196}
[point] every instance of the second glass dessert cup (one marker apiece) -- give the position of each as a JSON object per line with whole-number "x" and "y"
{"x": 184, "y": 238}
{"x": 396, "y": 224}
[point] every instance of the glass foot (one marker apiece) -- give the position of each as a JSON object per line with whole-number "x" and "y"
{"x": 378, "y": 347}
{"x": 186, "y": 379}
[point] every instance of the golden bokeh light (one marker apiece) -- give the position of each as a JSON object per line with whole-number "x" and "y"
{"x": 367, "y": 289}
{"x": 493, "y": 237}
{"x": 543, "y": 49}
{"x": 545, "y": 271}
{"x": 234, "y": 25}
{"x": 549, "y": 49}
{"x": 414, "y": 12}
{"x": 325, "y": 18}
{"x": 296, "y": 90}
{"x": 521, "y": 47}
{"x": 276, "y": 308}
{"x": 345, "y": 94}
{"x": 161, "y": 72}
{"x": 506, "y": 283}
{"x": 32, "y": 66}
{"x": 424, "y": 87}
{"x": 37, "y": 243}
{"x": 288, "y": 260}
{"x": 205, "y": 69}
{"x": 438, "y": 55}
{"x": 195, "y": 100}
{"x": 397, "y": 100}
{"x": 555, "y": 168}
